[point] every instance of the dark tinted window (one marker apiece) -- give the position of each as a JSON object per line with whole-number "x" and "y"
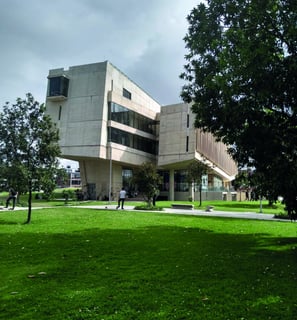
{"x": 127, "y": 94}
{"x": 130, "y": 118}
{"x": 58, "y": 86}
{"x": 132, "y": 141}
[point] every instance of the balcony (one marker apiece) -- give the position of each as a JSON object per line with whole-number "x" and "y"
{"x": 58, "y": 88}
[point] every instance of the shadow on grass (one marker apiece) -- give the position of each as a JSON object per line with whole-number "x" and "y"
{"x": 250, "y": 206}
{"x": 153, "y": 272}
{"x": 5, "y": 222}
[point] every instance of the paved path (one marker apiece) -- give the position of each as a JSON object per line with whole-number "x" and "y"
{"x": 215, "y": 213}
{"x": 195, "y": 212}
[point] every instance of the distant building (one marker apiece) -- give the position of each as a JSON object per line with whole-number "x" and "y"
{"x": 74, "y": 179}
{"x": 110, "y": 126}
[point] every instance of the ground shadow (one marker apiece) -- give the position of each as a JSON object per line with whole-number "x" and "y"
{"x": 5, "y": 222}
{"x": 146, "y": 272}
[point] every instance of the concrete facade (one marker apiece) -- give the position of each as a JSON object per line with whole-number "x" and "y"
{"x": 180, "y": 143}
{"x": 110, "y": 126}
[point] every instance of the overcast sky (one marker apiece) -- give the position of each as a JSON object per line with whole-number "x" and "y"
{"x": 142, "y": 38}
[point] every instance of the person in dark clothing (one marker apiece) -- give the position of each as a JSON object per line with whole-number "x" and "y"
{"x": 12, "y": 196}
{"x": 155, "y": 196}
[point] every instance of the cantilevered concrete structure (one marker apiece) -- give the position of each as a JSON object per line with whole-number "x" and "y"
{"x": 110, "y": 126}
{"x": 180, "y": 143}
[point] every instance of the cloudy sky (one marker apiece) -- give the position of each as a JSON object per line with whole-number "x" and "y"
{"x": 144, "y": 39}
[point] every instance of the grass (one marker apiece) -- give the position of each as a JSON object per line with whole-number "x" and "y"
{"x": 236, "y": 206}
{"x": 84, "y": 264}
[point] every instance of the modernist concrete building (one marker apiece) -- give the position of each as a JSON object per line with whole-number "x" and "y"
{"x": 110, "y": 126}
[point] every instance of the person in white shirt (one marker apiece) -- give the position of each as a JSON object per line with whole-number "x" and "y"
{"x": 122, "y": 198}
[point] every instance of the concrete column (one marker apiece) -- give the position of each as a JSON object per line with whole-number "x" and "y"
{"x": 192, "y": 191}
{"x": 171, "y": 185}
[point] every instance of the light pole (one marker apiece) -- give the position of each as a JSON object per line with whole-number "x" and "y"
{"x": 260, "y": 204}
{"x": 110, "y": 167}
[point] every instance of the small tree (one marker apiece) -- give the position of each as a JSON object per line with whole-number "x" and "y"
{"x": 28, "y": 146}
{"x": 147, "y": 180}
{"x": 195, "y": 171}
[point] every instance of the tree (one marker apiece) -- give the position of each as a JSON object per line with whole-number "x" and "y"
{"x": 195, "y": 171}
{"x": 147, "y": 180}
{"x": 241, "y": 75}
{"x": 28, "y": 146}
{"x": 241, "y": 181}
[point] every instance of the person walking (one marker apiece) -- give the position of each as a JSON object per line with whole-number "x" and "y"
{"x": 12, "y": 196}
{"x": 122, "y": 197}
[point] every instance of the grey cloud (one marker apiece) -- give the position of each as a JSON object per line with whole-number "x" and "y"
{"x": 142, "y": 38}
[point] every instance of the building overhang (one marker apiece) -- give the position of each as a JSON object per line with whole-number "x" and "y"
{"x": 184, "y": 162}
{"x": 224, "y": 175}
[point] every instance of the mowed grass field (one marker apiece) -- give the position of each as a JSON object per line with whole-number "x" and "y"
{"x": 76, "y": 263}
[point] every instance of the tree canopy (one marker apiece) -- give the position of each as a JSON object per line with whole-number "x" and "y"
{"x": 147, "y": 180}
{"x": 241, "y": 75}
{"x": 28, "y": 147}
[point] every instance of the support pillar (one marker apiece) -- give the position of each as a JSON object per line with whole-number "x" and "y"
{"x": 192, "y": 191}
{"x": 171, "y": 185}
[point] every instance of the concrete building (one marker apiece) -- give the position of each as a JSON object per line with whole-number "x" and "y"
{"x": 110, "y": 126}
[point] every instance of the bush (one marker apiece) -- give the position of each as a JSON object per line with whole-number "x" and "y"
{"x": 147, "y": 207}
{"x": 67, "y": 194}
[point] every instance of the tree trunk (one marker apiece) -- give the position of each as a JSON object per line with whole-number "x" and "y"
{"x": 29, "y": 203}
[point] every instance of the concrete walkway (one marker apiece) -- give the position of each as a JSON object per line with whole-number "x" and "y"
{"x": 195, "y": 212}
{"x": 215, "y": 213}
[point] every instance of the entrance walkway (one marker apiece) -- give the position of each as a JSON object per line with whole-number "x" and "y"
{"x": 195, "y": 212}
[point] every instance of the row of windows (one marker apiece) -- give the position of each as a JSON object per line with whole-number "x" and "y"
{"x": 130, "y": 118}
{"x": 58, "y": 86}
{"x": 181, "y": 182}
{"x": 132, "y": 141}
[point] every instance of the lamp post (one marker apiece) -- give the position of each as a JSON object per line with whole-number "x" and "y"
{"x": 110, "y": 167}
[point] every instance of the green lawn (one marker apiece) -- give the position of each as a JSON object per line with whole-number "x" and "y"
{"x": 219, "y": 205}
{"x": 94, "y": 264}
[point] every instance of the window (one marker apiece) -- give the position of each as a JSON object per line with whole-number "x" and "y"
{"x": 130, "y": 118}
{"x": 165, "y": 176}
{"x": 120, "y": 114}
{"x": 127, "y": 94}
{"x": 133, "y": 141}
{"x": 181, "y": 180}
{"x": 127, "y": 175}
{"x": 58, "y": 86}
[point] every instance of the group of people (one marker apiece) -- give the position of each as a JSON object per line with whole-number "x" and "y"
{"x": 13, "y": 196}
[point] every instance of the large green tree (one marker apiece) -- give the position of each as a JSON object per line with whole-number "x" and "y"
{"x": 28, "y": 147}
{"x": 241, "y": 75}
